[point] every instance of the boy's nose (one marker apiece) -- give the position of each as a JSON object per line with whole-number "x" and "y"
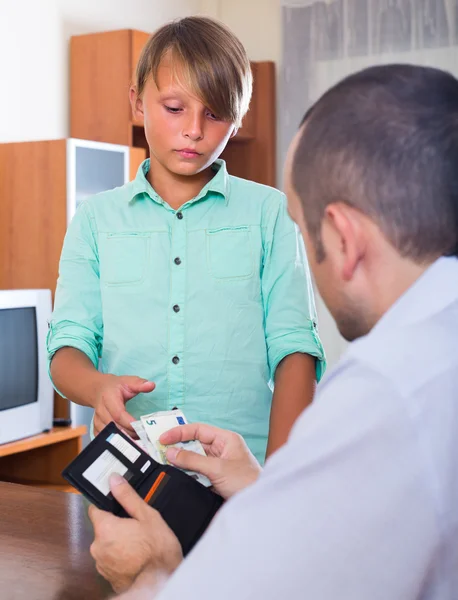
{"x": 194, "y": 129}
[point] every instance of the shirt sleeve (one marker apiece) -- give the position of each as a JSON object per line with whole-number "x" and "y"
{"x": 287, "y": 291}
{"x": 77, "y": 316}
{"x": 342, "y": 510}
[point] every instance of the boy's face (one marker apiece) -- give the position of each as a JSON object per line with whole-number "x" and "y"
{"x": 183, "y": 135}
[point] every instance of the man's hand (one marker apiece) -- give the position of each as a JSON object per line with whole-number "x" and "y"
{"x": 111, "y": 396}
{"x": 123, "y": 548}
{"x": 229, "y": 464}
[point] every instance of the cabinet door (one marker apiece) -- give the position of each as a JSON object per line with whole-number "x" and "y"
{"x": 32, "y": 213}
{"x": 100, "y": 76}
{"x": 137, "y": 156}
{"x": 251, "y": 153}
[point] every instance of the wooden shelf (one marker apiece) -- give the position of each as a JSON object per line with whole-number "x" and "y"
{"x": 40, "y": 459}
{"x": 57, "y": 434}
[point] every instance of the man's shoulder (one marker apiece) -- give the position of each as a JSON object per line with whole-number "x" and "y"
{"x": 410, "y": 356}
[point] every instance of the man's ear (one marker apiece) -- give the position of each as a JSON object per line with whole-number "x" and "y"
{"x": 345, "y": 228}
{"x": 136, "y": 103}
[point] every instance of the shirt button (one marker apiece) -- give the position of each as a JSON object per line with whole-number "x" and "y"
{"x": 179, "y": 215}
{"x": 176, "y": 308}
{"x": 175, "y": 360}
{"x": 177, "y": 260}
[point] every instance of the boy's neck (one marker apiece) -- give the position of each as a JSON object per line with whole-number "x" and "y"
{"x": 174, "y": 189}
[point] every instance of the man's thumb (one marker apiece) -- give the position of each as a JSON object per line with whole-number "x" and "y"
{"x": 127, "y": 497}
{"x": 191, "y": 461}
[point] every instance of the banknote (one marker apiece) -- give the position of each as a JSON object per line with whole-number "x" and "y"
{"x": 143, "y": 441}
{"x": 149, "y": 429}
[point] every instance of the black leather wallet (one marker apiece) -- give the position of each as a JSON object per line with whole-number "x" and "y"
{"x": 185, "y": 504}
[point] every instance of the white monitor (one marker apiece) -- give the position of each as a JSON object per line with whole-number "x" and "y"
{"x": 26, "y": 392}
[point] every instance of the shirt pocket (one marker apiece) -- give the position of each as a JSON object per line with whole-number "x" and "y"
{"x": 124, "y": 258}
{"x": 230, "y": 253}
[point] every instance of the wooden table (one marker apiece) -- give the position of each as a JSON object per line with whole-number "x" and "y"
{"x": 44, "y": 546}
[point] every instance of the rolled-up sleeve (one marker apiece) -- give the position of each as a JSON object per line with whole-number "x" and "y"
{"x": 289, "y": 305}
{"x": 77, "y": 316}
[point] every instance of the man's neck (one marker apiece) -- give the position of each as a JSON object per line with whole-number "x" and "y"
{"x": 393, "y": 282}
{"x": 175, "y": 189}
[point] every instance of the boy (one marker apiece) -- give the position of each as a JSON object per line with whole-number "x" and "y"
{"x": 188, "y": 276}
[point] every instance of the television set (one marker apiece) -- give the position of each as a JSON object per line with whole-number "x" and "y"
{"x": 26, "y": 392}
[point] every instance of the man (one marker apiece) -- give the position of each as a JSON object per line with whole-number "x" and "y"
{"x": 362, "y": 501}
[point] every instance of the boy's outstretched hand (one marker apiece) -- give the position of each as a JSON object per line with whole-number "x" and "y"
{"x": 110, "y": 400}
{"x": 229, "y": 464}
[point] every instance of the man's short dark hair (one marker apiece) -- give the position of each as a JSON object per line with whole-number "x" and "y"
{"x": 385, "y": 141}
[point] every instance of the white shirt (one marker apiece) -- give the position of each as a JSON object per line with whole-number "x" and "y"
{"x": 362, "y": 502}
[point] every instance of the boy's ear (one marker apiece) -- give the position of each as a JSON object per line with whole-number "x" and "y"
{"x": 136, "y": 103}
{"x": 234, "y": 132}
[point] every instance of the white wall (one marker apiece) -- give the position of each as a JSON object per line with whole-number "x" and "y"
{"x": 34, "y": 58}
{"x": 328, "y": 73}
{"x": 255, "y": 22}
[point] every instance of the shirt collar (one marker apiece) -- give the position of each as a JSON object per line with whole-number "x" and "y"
{"x": 433, "y": 291}
{"x": 219, "y": 184}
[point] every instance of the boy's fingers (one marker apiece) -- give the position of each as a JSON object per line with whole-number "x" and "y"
{"x": 125, "y": 420}
{"x": 137, "y": 385}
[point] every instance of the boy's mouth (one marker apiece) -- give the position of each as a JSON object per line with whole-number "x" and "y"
{"x": 188, "y": 153}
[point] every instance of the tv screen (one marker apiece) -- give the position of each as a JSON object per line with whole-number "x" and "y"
{"x": 18, "y": 357}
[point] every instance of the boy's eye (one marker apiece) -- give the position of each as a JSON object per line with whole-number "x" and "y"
{"x": 173, "y": 109}
{"x": 213, "y": 116}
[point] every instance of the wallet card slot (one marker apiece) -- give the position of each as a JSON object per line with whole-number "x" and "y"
{"x": 136, "y": 455}
{"x": 143, "y": 461}
{"x": 121, "y": 457}
{"x": 99, "y": 471}
{"x": 157, "y": 487}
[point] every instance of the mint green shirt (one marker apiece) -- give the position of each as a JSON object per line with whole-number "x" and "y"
{"x": 205, "y": 300}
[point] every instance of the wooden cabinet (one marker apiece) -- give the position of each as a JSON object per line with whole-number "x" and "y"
{"x": 41, "y": 184}
{"x": 102, "y": 70}
{"x": 33, "y": 213}
{"x": 39, "y": 460}
{"x": 251, "y": 154}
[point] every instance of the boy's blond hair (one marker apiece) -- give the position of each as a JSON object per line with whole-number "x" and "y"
{"x": 211, "y": 61}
